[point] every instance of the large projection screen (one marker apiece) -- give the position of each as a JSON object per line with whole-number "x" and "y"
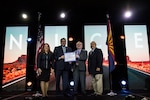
{"x": 137, "y": 54}
{"x": 52, "y": 36}
{"x": 15, "y": 57}
{"x": 97, "y": 33}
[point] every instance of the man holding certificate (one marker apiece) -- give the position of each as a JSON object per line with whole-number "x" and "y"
{"x": 62, "y": 67}
{"x": 79, "y": 68}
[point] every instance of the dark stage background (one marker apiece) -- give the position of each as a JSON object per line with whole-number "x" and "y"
{"x": 137, "y": 80}
{"x": 80, "y": 13}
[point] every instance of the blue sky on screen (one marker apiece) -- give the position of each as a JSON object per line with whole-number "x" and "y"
{"x": 136, "y": 42}
{"x": 53, "y": 34}
{"x": 15, "y": 43}
{"x": 97, "y": 33}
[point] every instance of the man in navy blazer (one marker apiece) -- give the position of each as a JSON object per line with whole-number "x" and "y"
{"x": 95, "y": 68}
{"x": 62, "y": 68}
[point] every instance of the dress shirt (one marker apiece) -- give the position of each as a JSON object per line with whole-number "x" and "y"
{"x": 64, "y": 49}
{"x": 92, "y": 51}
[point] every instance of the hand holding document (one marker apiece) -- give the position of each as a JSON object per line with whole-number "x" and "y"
{"x": 62, "y": 57}
{"x": 77, "y": 56}
{"x": 69, "y": 57}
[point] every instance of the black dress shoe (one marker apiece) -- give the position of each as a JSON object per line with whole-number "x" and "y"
{"x": 93, "y": 94}
{"x": 75, "y": 93}
{"x": 83, "y": 93}
{"x": 67, "y": 94}
{"x": 58, "y": 93}
{"x": 45, "y": 98}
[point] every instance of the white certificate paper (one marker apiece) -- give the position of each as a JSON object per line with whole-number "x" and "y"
{"x": 70, "y": 56}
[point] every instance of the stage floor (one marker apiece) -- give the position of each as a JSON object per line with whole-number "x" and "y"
{"x": 122, "y": 95}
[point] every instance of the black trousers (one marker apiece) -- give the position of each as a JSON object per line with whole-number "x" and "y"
{"x": 65, "y": 80}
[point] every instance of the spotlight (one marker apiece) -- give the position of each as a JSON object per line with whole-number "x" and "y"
{"x": 71, "y": 87}
{"x": 122, "y": 37}
{"x": 123, "y": 82}
{"x": 62, "y": 15}
{"x": 71, "y": 83}
{"x": 128, "y": 14}
{"x": 29, "y": 83}
{"x": 123, "y": 85}
{"x": 29, "y": 39}
{"x": 29, "y": 86}
{"x": 24, "y": 16}
{"x": 70, "y": 39}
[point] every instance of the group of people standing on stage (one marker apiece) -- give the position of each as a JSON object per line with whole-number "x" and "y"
{"x": 55, "y": 60}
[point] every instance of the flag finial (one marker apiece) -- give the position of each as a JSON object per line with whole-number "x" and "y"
{"x": 39, "y": 13}
{"x": 107, "y": 15}
{"x": 39, "y": 16}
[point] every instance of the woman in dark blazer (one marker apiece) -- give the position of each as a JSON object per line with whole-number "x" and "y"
{"x": 44, "y": 64}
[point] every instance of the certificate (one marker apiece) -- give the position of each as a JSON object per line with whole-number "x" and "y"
{"x": 70, "y": 56}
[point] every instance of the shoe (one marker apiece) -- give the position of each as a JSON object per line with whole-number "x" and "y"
{"x": 75, "y": 93}
{"x": 45, "y": 98}
{"x": 98, "y": 94}
{"x": 83, "y": 93}
{"x": 67, "y": 95}
{"x": 58, "y": 93}
{"x": 93, "y": 94}
{"x": 46, "y": 95}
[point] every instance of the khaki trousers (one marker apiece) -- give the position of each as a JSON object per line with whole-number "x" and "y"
{"x": 97, "y": 83}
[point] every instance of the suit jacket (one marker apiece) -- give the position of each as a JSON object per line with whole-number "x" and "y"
{"x": 81, "y": 61}
{"x": 41, "y": 60}
{"x": 59, "y": 63}
{"x": 95, "y": 60}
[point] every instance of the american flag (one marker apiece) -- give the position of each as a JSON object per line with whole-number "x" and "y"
{"x": 40, "y": 41}
{"x": 111, "y": 55}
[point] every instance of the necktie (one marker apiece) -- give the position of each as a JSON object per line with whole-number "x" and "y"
{"x": 77, "y": 60}
{"x": 78, "y": 52}
{"x": 91, "y": 52}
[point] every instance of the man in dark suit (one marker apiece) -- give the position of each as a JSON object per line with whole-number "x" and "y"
{"x": 79, "y": 68}
{"x": 62, "y": 68}
{"x": 95, "y": 68}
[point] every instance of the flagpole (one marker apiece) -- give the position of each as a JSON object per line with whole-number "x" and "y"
{"x": 37, "y": 94}
{"x": 111, "y": 93}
